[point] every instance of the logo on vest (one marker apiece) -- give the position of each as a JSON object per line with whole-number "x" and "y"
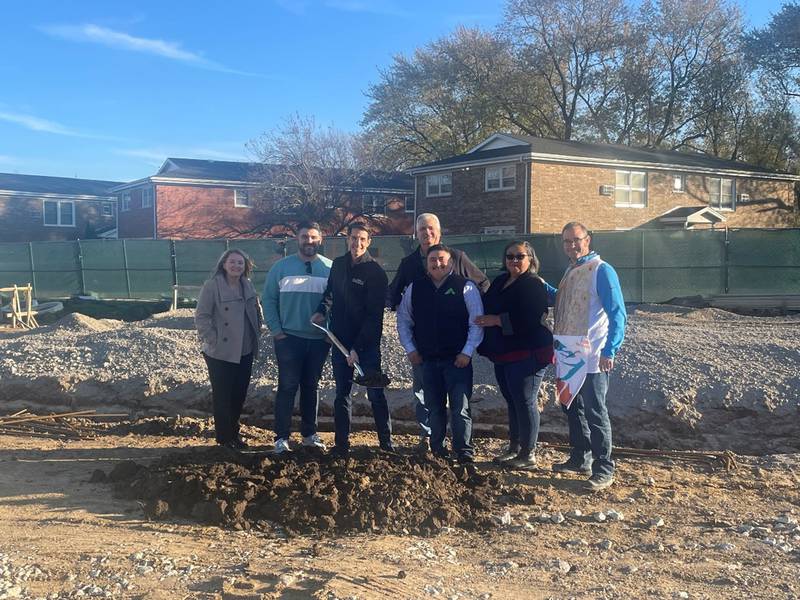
{"x": 358, "y": 281}
{"x": 450, "y": 292}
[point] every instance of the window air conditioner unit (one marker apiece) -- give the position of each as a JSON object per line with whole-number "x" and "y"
{"x": 744, "y": 197}
{"x": 606, "y": 190}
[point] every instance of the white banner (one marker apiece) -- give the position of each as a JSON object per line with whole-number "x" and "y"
{"x": 572, "y": 359}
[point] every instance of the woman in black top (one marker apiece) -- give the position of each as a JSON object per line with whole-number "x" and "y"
{"x": 520, "y": 345}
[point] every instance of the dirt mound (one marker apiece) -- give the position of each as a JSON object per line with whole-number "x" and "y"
{"x": 312, "y": 493}
{"x": 83, "y": 324}
{"x": 178, "y": 319}
{"x": 165, "y": 426}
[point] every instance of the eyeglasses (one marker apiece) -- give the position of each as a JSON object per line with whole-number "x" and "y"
{"x": 570, "y": 241}
{"x": 308, "y": 267}
{"x": 517, "y": 256}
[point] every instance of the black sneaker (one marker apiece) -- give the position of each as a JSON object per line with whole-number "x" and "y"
{"x": 239, "y": 443}
{"x": 599, "y": 481}
{"x": 441, "y": 453}
{"x": 571, "y": 467}
{"x": 340, "y": 452}
{"x": 466, "y": 459}
{"x": 231, "y": 445}
{"x": 388, "y": 447}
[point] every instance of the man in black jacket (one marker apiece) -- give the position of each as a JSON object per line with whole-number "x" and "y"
{"x": 429, "y": 233}
{"x": 354, "y": 300}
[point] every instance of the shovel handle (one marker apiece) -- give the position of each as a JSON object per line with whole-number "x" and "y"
{"x": 340, "y": 346}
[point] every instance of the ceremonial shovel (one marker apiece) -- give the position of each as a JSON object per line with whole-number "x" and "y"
{"x": 374, "y": 379}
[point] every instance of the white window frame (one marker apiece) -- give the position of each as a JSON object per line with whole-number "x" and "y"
{"x": 373, "y": 204}
{"x": 406, "y": 201}
{"x": 237, "y": 203}
{"x": 628, "y": 188}
{"x": 58, "y": 222}
{"x": 436, "y": 182}
{"x": 679, "y": 178}
{"x": 501, "y": 174}
{"x": 109, "y": 206}
{"x": 125, "y": 202}
{"x": 148, "y": 193}
{"x": 711, "y": 183}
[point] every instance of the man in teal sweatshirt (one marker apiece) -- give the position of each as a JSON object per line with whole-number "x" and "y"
{"x": 292, "y": 292}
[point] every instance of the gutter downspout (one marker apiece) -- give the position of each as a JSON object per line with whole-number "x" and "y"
{"x": 527, "y": 203}
{"x": 155, "y": 218}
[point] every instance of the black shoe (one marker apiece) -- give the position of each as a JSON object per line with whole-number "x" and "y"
{"x": 239, "y": 443}
{"x": 230, "y": 445}
{"x": 466, "y": 459}
{"x": 388, "y": 447}
{"x": 571, "y": 467}
{"x": 441, "y": 453}
{"x": 340, "y": 452}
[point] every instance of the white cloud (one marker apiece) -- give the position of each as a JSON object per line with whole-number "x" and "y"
{"x": 156, "y": 156}
{"x": 119, "y": 40}
{"x": 37, "y": 124}
{"x": 377, "y": 7}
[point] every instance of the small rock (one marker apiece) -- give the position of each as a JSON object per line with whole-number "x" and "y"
{"x": 544, "y": 517}
{"x": 557, "y": 518}
{"x": 562, "y": 566}
{"x": 599, "y": 516}
{"x": 725, "y": 547}
{"x": 651, "y": 481}
{"x": 402, "y": 575}
{"x": 575, "y": 514}
{"x": 614, "y": 515}
{"x": 656, "y": 522}
{"x": 605, "y": 545}
{"x": 577, "y": 542}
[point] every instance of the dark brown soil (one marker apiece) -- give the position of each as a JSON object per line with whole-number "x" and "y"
{"x": 308, "y": 492}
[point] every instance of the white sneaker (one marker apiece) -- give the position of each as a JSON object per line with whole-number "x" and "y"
{"x": 281, "y": 446}
{"x": 313, "y": 440}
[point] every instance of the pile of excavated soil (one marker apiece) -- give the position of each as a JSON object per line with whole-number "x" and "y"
{"x": 310, "y": 492}
{"x": 685, "y": 378}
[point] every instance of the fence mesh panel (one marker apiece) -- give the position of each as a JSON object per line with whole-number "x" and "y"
{"x": 654, "y": 266}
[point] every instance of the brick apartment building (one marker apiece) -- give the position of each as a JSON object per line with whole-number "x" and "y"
{"x": 512, "y": 184}
{"x": 39, "y": 208}
{"x": 190, "y": 198}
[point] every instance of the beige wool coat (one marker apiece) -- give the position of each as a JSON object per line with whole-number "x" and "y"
{"x": 220, "y": 318}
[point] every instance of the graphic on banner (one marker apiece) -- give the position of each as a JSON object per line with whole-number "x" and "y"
{"x": 572, "y": 353}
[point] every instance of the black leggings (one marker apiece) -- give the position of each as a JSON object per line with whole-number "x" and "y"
{"x": 229, "y": 383}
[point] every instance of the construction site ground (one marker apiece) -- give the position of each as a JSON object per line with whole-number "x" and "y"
{"x": 667, "y": 528}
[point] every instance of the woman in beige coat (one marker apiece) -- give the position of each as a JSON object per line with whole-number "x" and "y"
{"x": 228, "y": 320}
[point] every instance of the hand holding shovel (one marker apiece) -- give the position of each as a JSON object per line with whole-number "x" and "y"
{"x": 373, "y": 380}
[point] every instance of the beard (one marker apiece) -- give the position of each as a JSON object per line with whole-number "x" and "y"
{"x": 309, "y": 250}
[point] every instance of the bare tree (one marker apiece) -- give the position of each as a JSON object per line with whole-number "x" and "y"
{"x": 310, "y": 173}
{"x": 776, "y": 48}
{"x": 571, "y": 46}
{"x": 438, "y": 102}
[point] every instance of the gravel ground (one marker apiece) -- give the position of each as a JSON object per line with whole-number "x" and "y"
{"x": 685, "y": 378}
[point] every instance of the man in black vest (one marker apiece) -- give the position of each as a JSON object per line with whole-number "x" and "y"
{"x": 429, "y": 233}
{"x": 354, "y": 301}
{"x": 436, "y": 324}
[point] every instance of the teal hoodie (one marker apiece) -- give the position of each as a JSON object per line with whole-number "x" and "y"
{"x": 291, "y": 295}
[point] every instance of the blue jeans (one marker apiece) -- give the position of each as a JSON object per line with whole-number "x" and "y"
{"x": 519, "y": 383}
{"x": 421, "y": 411}
{"x": 443, "y": 382}
{"x": 300, "y": 362}
{"x": 369, "y": 360}
{"x": 590, "y": 427}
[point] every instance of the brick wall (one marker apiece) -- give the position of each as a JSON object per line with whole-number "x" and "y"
{"x": 137, "y": 222}
{"x": 470, "y": 208}
{"x": 21, "y": 220}
{"x": 562, "y": 193}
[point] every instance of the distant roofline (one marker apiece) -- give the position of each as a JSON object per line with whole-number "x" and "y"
{"x": 460, "y": 161}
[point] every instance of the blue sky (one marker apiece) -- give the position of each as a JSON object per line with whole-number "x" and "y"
{"x": 107, "y": 90}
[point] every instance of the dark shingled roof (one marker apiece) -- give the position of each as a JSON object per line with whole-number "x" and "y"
{"x": 224, "y": 170}
{"x": 603, "y": 151}
{"x": 41, "y": 184}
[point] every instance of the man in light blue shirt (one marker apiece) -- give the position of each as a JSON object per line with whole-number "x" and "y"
{"x": 436, "y": 325}
{"x": 292, "y": 292}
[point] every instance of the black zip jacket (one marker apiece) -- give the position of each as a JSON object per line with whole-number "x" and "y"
{"x": 522, "y": 307}
{"x": 412, "y": 267}
{"x": 354, "y": 300}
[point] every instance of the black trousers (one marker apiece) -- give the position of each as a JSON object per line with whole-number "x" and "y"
{"x": 229, "y": 383}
